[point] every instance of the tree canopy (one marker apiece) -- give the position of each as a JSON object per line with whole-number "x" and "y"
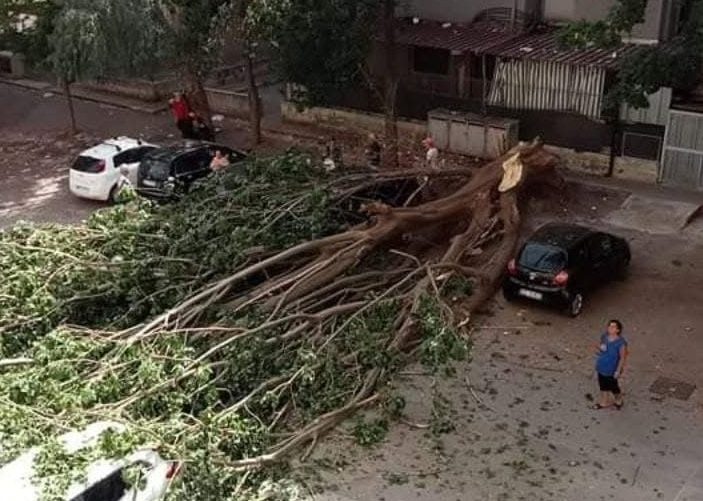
{"x": 106, "y": 37}
{"x": 675, "y": 63}
{"x": 318, "y": 44}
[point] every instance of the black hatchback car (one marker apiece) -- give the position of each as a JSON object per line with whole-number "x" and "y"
{"x": 559, "y": 263}
{"x": 170, "y": 171}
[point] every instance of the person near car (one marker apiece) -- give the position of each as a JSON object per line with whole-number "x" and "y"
{"x": 373, "y": 152}
{"x": 201, "y": 130}
{"x": 219, "y": 161}
{"x": 182, "y": 114}
{"x": 432, "y": 155}
{"x": 610, "y": 364}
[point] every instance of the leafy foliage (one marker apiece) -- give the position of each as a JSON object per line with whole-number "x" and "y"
{"x": 72, "y": 298}
{"x": 106, "y": 37}
{"x": 319, "y": 44}
{"x": 441, "y": 343}
{"x": 645, "y": 70}
{"x": 136, "y": 260}
{"x": 25, "y": 26}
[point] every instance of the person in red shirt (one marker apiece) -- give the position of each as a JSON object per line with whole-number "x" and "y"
{"x": 182, "y": 114}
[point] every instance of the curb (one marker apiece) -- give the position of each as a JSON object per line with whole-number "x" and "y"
{"x": 26, "y": 84}
{"x": 106, "y": 99}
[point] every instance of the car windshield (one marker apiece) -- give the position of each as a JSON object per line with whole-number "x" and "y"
{"x": 542, "y": 257}
{"x": 87, "y": 164}
{"x": 155, "y": 169}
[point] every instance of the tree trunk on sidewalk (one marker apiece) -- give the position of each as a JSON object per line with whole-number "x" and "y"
{"x": 390, "y": 160}
{"x": 71, "y": 112}
{"x": 196, "y": 96}
{"x": 253, "y": 93}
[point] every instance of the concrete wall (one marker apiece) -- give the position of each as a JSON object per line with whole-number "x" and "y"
{"x": 146, "y": 90}
{"x": 413, "y": 131}
{"x": 228, "y": 102}
{"x": 410, "y": 131}
{"x": 12, "y": 64}
{"x": 596, "y": 164}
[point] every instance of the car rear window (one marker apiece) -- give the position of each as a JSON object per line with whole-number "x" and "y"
{"x": 540, "y": 257}
{"x": 154, "y": 169}
{"x": 88, "y": 164}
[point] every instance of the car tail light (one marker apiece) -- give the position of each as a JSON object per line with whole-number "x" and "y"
{"x": 561, "y": 278}
{"x": 100, "y": 167}
{"x": 512, "y": 267}
{"x": 173, "y": 470}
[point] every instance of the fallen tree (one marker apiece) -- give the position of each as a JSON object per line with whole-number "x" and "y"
{"x": 247, "y": 366}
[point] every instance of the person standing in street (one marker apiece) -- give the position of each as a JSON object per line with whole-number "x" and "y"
{"x": 182, "y": 114}
{"x": 610, "y": 364}
{"x": 373, "y": 152}
{"x": 432, "y": 156}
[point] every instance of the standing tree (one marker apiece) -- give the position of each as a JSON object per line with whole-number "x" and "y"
{"x": 676, "y": 63}
{"x": 390, "y": 91}
{"x": 195, "y": 44}
{"x": 87, "y": 41}
{"x": 323, "y": 46}
{"x": 74, "y": 48}
{"x": 239, "y": 19}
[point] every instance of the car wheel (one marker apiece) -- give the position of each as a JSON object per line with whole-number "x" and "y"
{"x": 621, "y": 272}
{"x": 114, "y": 194}
{"x": 576, "y": 304}
{"x": 509, "y": 296}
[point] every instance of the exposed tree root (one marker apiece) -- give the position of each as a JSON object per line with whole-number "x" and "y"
{"x": 316, "y": 290}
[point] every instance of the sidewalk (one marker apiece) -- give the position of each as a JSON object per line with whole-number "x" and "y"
{"x": 273, "y": 125}
{"x": 636, "y": 187}
{"x": 88, "y": 95}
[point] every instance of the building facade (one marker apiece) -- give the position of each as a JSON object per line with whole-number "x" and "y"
{"x": 659, "y": 23}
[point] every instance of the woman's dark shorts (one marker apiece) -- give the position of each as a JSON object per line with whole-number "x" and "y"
{"x": 608, "y": 383}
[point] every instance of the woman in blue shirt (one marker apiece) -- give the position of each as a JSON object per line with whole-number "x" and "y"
{"x": 610, "y": 364}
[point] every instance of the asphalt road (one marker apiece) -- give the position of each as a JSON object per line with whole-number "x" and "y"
{"x": 36, "y": 150}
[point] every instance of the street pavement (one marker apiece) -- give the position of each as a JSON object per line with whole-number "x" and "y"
{"x": 523, "y": 426}
{"x": 36, "y": 150}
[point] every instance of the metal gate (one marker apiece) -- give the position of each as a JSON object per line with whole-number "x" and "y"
{"x": 682, "y": 156}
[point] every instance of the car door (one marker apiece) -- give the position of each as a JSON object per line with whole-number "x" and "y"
{"x": 233, "y": 156}
{"x": 110, "y": 488}
{"x": 128, "y": 162}
{"x": 602, "y": 258}
{"x": 185, "y": 168}
{"x": 202, "y": 159}
{"x": 579, "y": 271}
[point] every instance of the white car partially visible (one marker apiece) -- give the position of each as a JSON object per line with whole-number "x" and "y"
{"x": 99, "y": 172}
{"x": 103, "y": 479}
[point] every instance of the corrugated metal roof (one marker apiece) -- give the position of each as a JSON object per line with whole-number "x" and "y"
{"x": 475, "y": 37}
{"x": 544, "y": 46}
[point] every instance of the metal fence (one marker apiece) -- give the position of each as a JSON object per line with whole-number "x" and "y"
{"x": 682, "y": 158}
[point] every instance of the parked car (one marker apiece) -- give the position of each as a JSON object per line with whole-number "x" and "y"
{"x": 99, "y": 172}
{"x": 103, "y": 480}
{"x": 561, "y": 262}
{"x": 170, "y": 171}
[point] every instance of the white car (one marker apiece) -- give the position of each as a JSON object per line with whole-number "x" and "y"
{"x": 99, "y": 172}
{"x": 103, "y": 480}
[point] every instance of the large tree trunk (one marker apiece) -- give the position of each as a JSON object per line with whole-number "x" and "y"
{"x": 71, "y": 110}
{"x": 314, "y": 290}
{"x": 390, "y": 91}
{"x": 254, "y": 99}
{"x": 196, "y": 96}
